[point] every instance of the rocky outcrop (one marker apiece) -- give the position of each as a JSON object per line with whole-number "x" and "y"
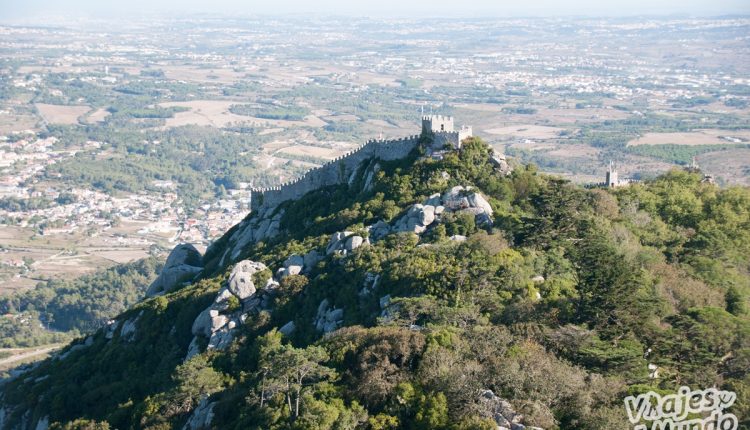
{"x": 500, "y": 163}
{"x": 202, "y": 416}
{"x": 378, "y": 230}
{"x": 111, "y": 328}
{"x": 292, "y": 266}
{"x": 42, "y": 424}
{"x": 263, "y": 226}
{"x": 369, "y": 176}
{"x": 193, "y": 349}
{"x": 310, "y": 260}
{"x": 288, "y": 328}
{"x": 463, "y": 199}
{"x": 501, "y": 411}
{"x": 182, "y": 265}
{"x": 241, "y": 279}
{"x": 344, "y": 242}
{"x": 417, "y": 219}
{"x": 219, "y": 321}
{"x": 328, "y": 319}
{"x": 127, "y": 332}
{"x": 370, "y": 283}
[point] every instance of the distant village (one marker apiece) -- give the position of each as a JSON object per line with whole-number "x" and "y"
{"x": 93, "y": 211}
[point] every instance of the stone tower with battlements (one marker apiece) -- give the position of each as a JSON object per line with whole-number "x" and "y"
{"x": 442, "y": 131}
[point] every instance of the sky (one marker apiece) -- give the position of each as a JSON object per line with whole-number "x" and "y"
{"x": 29, "y": 9}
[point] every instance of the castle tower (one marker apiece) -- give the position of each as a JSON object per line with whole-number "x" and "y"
{"x": 437, "y": 124}
{"x": 611, "y": 179}
{"x": 441, "y": 131}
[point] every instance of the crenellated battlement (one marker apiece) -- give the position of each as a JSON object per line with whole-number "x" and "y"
{"x": 334, "y": 172}
{"x": 341, "y": 169}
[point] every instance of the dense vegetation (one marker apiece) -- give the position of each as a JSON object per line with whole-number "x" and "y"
{"x": 559, "y": 306}
{"x": 57, "y": 309}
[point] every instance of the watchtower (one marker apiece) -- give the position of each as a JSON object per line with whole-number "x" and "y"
{"x": 437, "y": 124}
{"x": 612, "y": 179}
{"x": 441, "y": 131}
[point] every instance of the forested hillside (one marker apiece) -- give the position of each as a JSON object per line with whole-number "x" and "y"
{"x": 401, "y": 300}
{"x": 57, "y": 309}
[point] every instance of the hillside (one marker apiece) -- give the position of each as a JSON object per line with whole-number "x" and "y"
{"x": 425, "y": 293}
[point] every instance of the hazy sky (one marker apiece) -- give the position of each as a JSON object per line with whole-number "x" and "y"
{"x": 25, "y": 9}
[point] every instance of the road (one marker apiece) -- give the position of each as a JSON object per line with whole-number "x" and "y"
{"x": 28, "y": 354}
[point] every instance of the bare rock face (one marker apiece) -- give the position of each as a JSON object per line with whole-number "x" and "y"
{"x": 353, "y": 242}
{"x": 265, "y": 225}
{"x": 455, "y": 199}
{"x": 337, "y": 242}
{"x": 201, "y": 417}
{"x": 241, "y": 279}
{"x": 370, "y": 176}
{"x": 462, "y": 199}
{"x": 183, "y": 263}
{"x": 501, "y": 411}
{"x": 111, "y": 328}
{"x": 416, "y": 219}
{"x": 310, "y": 260}
{"x": 344, "y": 242}
{"x": 292, "y": 266}
{"x": 42, "y": 424}
{"x": 127, "y": 332}
{"x": 379, "y": 230}
{"x": 328, "y": 319}
{"x": 288, "y": 328}
{"x": 217, "y": 321}
{"x": 193, "y": 349}
{"x": 501, "y": 163}
{"x": 221, "y": 338}
{"x": 202, "y": 324}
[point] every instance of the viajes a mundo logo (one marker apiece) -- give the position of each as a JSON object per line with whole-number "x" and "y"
{"x": 679, "y": 411}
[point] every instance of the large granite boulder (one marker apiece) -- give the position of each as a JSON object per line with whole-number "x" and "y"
{"x": 208, "y": 322}
{"x": 183, "y": 264}
{"x": 241, "y": 279}
{"x": 416, "y": 219}
{"x": 344, "y": 242}
{"x": 293, "y": 265}
{"x": 353, "y": 242}
{"x": 337, "y": 242}
{"x": 463, "y": 199}
{"x": 500, "y": 163}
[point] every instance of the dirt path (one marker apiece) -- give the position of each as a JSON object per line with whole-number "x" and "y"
{"x": 29, "y": 354}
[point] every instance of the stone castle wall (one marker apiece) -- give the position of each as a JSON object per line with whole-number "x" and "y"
{"x": 335, "y": 172}
{"x": 454, "y": 138}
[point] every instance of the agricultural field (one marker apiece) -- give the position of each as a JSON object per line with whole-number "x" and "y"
{"x": 697, "y": 137}
{"x": 59, "y": 114}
